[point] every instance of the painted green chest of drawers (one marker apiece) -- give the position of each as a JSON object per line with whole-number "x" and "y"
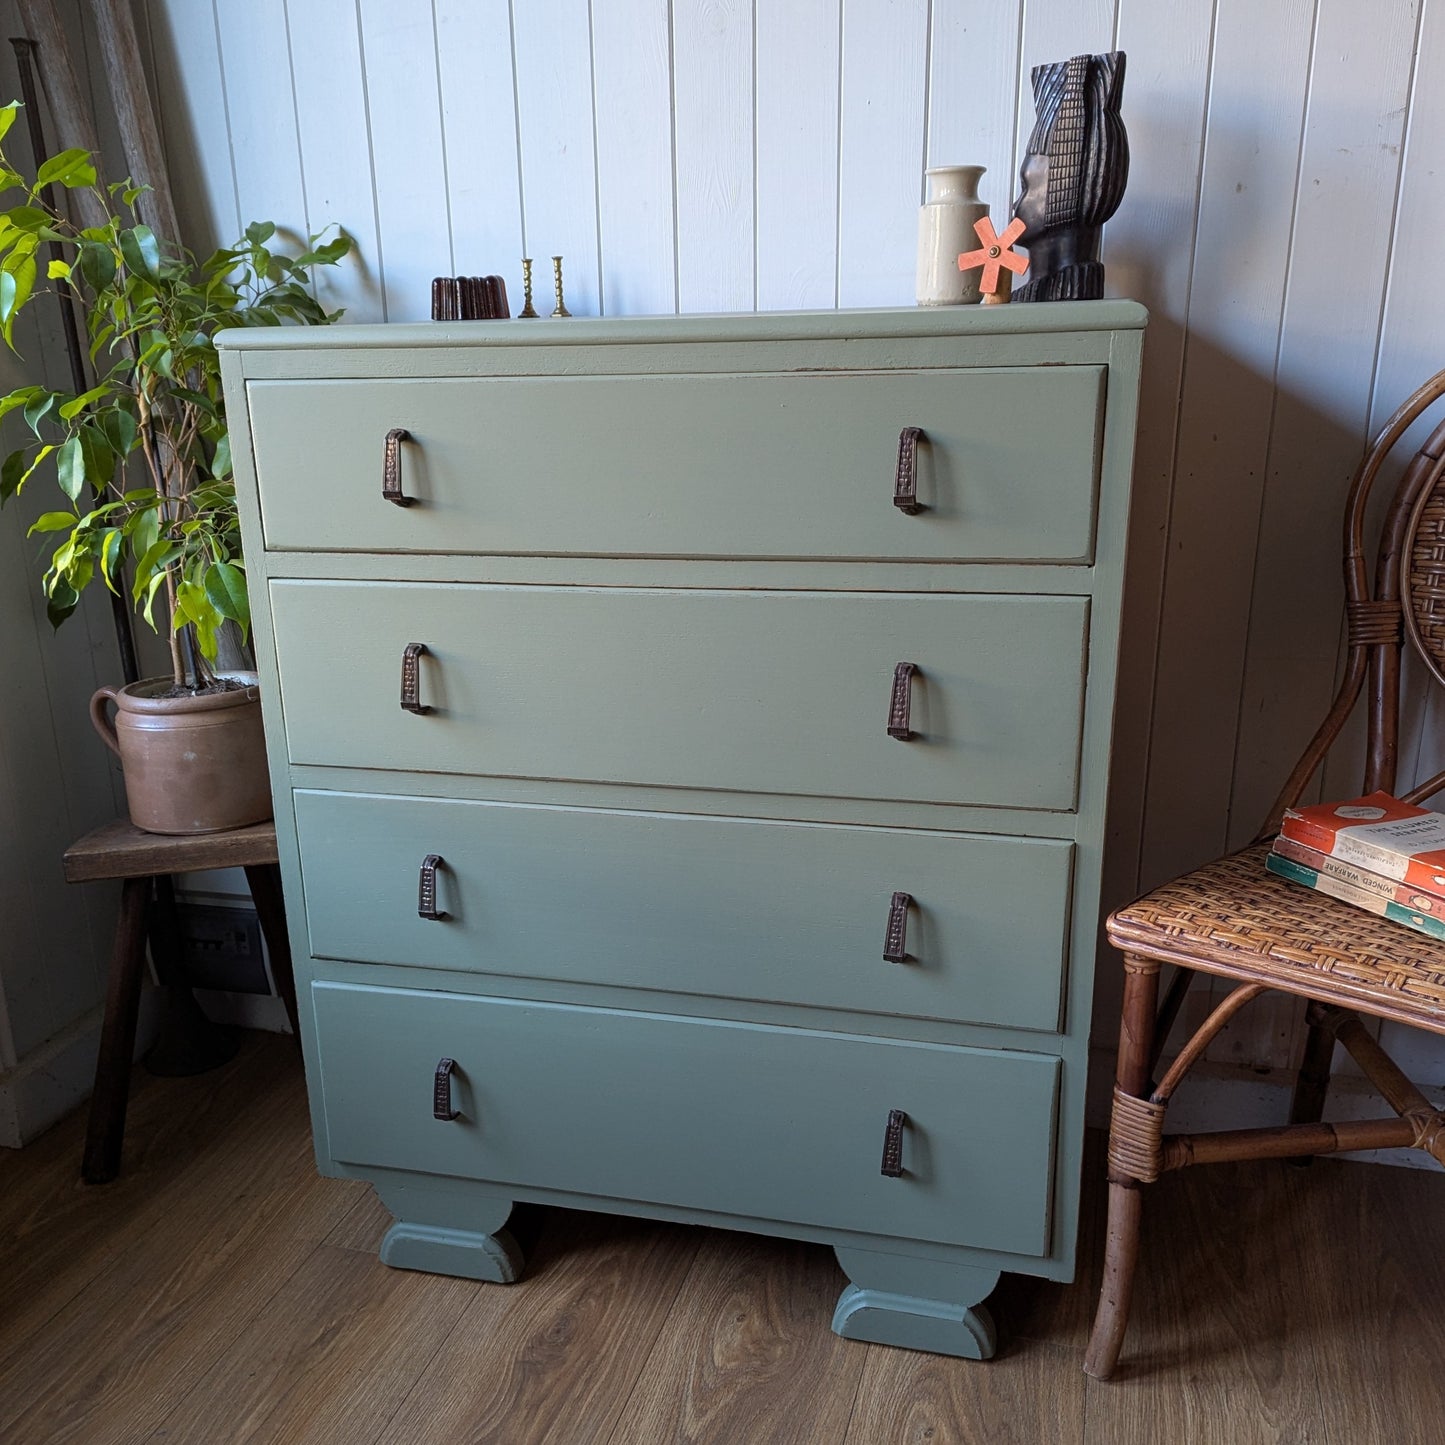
{"x": 690, "y": 741}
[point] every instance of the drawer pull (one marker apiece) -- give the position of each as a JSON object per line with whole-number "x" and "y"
{"x": 895, "y": 941}
{"x": 905, "y": 480}
{"x": 898, "y": 709}
{"x": 441, "y": 1094}
{"x": 391, "y": 467}
{"x": 426, "y": 893}
{"x": 411, "y": 678}
{"x": 892, "y": 1143}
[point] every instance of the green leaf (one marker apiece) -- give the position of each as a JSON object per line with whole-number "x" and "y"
{"x": 7, "y": 117}
{"x": 70, "y": 168}
{"x": 153, "y": 563}
{"x": 141, "y": 252}
{"x": 58, "y": 270}
{"x": 221, "y": 461}
{"x": 151, "y": 588}
{"x": 38, "y": 408}
{"x": 11, "y": 475}
{"x": 259, "y": 232}
{"x": 22, "y": 396}
{"x": 78, "y": 404}
{"x": 119, "y": 429}
{"x": 97, "y": 264}
{"x": 111, "y": 548}
{"x": 146, "y": 532}
{"x": 226, "y": 592}
{"x": 53, "y": 522}
{"x": 70, "y": 468}
{"x": 24, "y": 285}
{"x": 27, "y": 218}
{"x": 99, "y": 458}
{"x": 62, "y": 600}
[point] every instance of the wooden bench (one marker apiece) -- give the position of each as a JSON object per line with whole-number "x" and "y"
{"x": 144, "y": 862}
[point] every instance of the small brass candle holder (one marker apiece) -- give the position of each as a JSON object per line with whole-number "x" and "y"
{"x": 561, "y": 307}
{"x": 528, "y": 310}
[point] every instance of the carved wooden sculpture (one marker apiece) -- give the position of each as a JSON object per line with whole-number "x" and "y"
{"x": 1073, "y": 175}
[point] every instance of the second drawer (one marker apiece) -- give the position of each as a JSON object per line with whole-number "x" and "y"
{"x": 792, "y": 913}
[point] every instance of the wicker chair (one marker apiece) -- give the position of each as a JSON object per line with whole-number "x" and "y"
{"x": 1235, "y": 920}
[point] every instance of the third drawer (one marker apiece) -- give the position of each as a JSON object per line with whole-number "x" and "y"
{"x": 790, "y": 913}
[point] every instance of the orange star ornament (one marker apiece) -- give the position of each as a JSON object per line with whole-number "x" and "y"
{"x": 995, "y": 253}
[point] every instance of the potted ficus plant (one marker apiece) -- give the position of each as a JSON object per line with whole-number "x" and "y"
{"x": 142, "y": 461}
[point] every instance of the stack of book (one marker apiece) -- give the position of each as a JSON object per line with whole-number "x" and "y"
{"x": 1376, "y": 853}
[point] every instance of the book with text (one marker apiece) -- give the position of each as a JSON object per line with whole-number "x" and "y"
{"x": 1378, "y": 833}
{"x": 1357, "y": 897}
{"x": 1407, "y": 895}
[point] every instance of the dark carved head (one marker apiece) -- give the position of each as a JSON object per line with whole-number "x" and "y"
{"x": 1076, "y": 165}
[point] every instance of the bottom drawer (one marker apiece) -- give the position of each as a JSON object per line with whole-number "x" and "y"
{"x": 760, "y": 1122}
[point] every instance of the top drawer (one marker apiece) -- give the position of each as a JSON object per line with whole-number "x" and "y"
{"x": 786, "y": 465}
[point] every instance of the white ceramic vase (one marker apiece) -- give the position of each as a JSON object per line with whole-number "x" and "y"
{"x": 945, "y": 229}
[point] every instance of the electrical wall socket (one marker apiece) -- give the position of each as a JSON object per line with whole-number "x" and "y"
{"x": 221, "y": 948}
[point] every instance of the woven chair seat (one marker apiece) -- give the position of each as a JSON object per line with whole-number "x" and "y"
{"x": 1235, "y": 919}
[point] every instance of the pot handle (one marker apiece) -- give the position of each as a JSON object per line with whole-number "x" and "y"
{"x": 98, "y": 715}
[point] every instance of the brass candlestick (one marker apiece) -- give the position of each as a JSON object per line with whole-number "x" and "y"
{"x": 561, "y": 308}
{"x": 527, "y": 308}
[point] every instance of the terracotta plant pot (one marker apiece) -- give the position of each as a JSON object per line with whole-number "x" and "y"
{"x": 192, "y": 764}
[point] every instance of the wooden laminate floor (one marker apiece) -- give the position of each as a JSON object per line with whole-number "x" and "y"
{"x": 221, "y": 1292}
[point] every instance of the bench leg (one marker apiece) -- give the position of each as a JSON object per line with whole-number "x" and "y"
{"x": 264, "y": 880}
{"x": 106, "y": 1128}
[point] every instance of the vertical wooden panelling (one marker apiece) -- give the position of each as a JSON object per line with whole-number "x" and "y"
{"x": 1410, "y": 347}
{"x": 631, "y": 66}
{"x": 399, "y": 58}
{"x": 1149, "y": 255}
{"x": 797, "y": 153}
{"x": 193, "y": 115}
{"x": 479, "y": 120}
{"x": 559, "y": 160}
{"x": 331, "y": 123}
{"x": 712, "y": 96}
{"x": 973, "y": 97}
{"x": 1359, "y": 86}
{"x": 1252, "y": 148}
{"x": 880, "y": 173}
{"x": 256, "y": 63}
{"x": 1056, "y": 30}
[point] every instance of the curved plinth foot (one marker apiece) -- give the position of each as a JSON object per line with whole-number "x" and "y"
{"x": 914, "y": 1323}
{"x": 916, "y": 1303}
{"x": 438, "y": 1250}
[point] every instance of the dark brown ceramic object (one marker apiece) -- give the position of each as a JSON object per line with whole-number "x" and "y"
{"x": 192, "y": 764}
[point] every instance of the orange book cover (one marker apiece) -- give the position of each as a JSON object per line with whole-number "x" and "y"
{"x": 1378, "y": 833}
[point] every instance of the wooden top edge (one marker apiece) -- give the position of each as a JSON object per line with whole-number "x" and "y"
{"x": 914, "y": 321}
{"x": 121, "y": 850}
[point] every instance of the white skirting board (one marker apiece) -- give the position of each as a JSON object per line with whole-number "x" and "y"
{"x": 56, "y": 1078}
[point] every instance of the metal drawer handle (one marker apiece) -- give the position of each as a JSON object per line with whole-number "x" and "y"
{"x": 892, "y": 1143}
{"x": 895, "y": 941}
{"x": 441, "y": 1094}
{"x": 898, "y": 709}
{"x": 426, "y": 893}
{"x": 391, "y": 467}
{"x": 411, "y": 678}
{"x": 905, "y": 480}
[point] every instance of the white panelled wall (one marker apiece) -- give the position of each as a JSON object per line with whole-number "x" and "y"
{"x": 722, "y": 155}
{"x": 1282, "y": 218}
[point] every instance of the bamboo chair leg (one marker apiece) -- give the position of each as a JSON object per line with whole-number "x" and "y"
{"x": 1121, "y": 1251}
{"x": 1313, "y": 1080}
